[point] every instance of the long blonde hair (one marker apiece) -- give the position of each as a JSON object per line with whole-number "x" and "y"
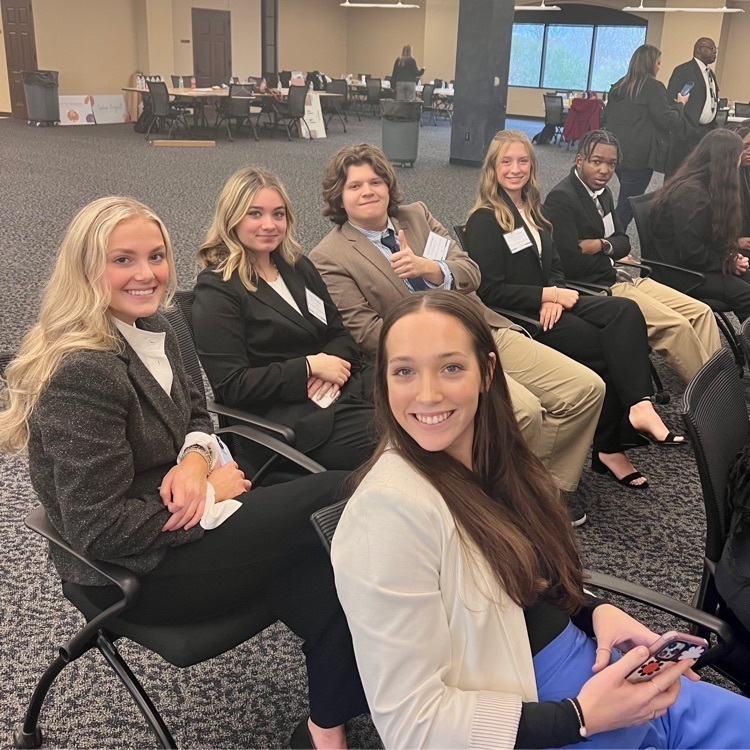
{"x": 222, "y": 248}
{"x": 489, "y": 193}
{"x": 73, "y": 313}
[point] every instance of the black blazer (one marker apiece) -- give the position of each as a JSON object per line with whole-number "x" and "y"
{"x": 253, "y": 346}
{"x": 406, "y": 73}
{"x": 682, "y": 74}
{"x": 101, "y": 438}
{"x": 511, "y": 280}
{"x": 574, "y": 217}
{"x": 682, "y": 232}
{"x": 645, "y": 126}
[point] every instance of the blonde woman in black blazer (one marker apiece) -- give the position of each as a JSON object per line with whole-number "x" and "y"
{"x": 521, "y": 271}
{"x": 268, "y": 334}
{"x": 122, "y": 458}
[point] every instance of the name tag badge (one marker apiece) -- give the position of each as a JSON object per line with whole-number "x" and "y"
{"x": 517, "y": 240}
{"x": 436, "y": 247}
{"x": 609, "y": 225}
{"x": 315, "y": 306}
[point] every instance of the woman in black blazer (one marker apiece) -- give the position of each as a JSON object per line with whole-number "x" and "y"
{"x": 640, "y": 114}
{"x": 122, "y": 458}
{"x": 696, "y": 221}
{"x": 267, "y": 332}
{"x": 510, "y": 239}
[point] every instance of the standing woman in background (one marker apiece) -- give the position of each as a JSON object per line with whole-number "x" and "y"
{"x": 639, "y": 113}
{"x": 405, "y": 74}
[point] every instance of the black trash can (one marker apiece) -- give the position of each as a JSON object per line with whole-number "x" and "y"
{"x": 401, "y": 121}
{"x": 42, "y": 102}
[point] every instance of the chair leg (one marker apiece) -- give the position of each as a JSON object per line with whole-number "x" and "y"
{"x": 130, "y": 681}
{"x": 660, "y": 395}
{"x": 29, "y": 734}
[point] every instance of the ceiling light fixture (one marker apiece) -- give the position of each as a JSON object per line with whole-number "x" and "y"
{"x": 396, "y": 6}
{"x": 641, "y": 9}
{"x": 537, "y": 7}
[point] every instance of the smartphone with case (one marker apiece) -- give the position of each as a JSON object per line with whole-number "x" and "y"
{"x": 687, "y": 88}
{"x": 669, "y": 649}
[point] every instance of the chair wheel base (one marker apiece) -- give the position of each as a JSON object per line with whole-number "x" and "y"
{"x": 23, "y": 739}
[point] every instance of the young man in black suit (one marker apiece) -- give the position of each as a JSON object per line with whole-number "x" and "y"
{"x": 589, "y": 238}
{"x": 703, "y": 104}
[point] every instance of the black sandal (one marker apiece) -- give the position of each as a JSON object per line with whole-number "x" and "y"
{"x": 670, "y": 441}
{"x": 600, "y": 467}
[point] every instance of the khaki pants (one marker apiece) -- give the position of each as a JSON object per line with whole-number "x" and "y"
{"x": 556, "y": 402}
{"x": 680, "y": 328}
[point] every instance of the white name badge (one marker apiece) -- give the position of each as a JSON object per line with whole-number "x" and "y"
{"x": 517, "y": 240}
{"x": 436, "y": 247}
{"x": 609, "y": 225}
{"x": 315, "y": 306}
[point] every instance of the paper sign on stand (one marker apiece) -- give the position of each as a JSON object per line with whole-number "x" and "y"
{"x": 109, "y": 109}
{"x": 76, "y": 110}
{"x": 313, "y": 118}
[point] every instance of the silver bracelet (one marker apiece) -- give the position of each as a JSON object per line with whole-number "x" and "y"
{"x": 579, "y": 714}
{"x": 196, "y": 448}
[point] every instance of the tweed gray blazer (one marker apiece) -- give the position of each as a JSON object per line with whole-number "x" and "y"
{"x": 101, "y": 438}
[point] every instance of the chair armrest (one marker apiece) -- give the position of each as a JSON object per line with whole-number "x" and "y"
{"x": 277, "y": 446}
{"x": 691, "y": 276}
{"x": 671, "y": 606}
{"x": 589, "y": 288}
{"x": 523, "y": 320}
{"x": 284, "y": 432}
{"x": 644, "y": 269}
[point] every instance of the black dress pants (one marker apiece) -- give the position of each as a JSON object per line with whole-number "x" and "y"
{"x": 267, "y": 551}
{"x": 352, "y": 440}
{"x": 608, "y": 335}
{"x": 728, "y": 288}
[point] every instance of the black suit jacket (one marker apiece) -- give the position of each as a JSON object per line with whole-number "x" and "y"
{"x": 574, "y": 217}
{"x": 253, "y": 346}
{"x": 511, "y": 280}
{"x": 101, "y": 438}
{"x": 682, "y": 74}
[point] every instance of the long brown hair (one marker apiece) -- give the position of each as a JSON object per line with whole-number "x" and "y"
{"x": 491, "y": 195}
{"x": 642, "y": 67}
{"x": 713, "y": 166}
{"x": 508, "y": 507}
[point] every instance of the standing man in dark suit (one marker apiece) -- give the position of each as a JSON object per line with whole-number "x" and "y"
{"x": 589, "y": 238}
{"x": 701, "y": 108}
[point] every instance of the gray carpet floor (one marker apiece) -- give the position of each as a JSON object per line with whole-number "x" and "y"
{"x": 253, "y": 696}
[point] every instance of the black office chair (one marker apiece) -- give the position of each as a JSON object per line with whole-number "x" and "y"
{"x": 554, "y": 115}
{"x": 438, "y": 83}
{"x": 180, "y": 645}
{"x": 744, "y": 337}
{"x": 272, "y": 80}
{"x": 723, "y": 102}
{"x": 291, "y": 112}
{"x": 366, "y": 76}
{"x": 428, "y": 103}
{"x": 741, "y": 110}
{"x": 236, "y": 107}
{"x": 716, "y": 418}
{"x": 722, "y": 117}
{"x": 285, "y": 78}
{"x": 374, "y": 95}
{"x": 165, "y": 113}
{"x": 336, "y": 106}
{"x": 682, "y": 279}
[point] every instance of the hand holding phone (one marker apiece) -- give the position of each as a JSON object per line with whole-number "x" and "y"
{"x": 669, "y": 649}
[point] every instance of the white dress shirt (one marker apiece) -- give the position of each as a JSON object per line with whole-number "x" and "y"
{"x": 708, "y": 115}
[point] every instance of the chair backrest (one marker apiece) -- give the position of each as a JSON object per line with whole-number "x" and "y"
{"x": 240, "y": 107}
{"x": 296, "y": 101}
{"x": 428, "y": 93}
{"x": 285, "y": 78}
{"x": 326, "y": 520}
{"x": 721, "y": 117}
{"x": 272, "y": 80}
{"x": 741, "y": 110}
{"x": 339, "y": 86}
{"x": 180, "y": 317}
{"x": 159, "y": 98}
{"x": 366, "y": 76}
{"x": 641, "y": 205}
{"x": 553, "y": 109}
{"x": 715, "y": 414}
{"x": 438, "y": 83}
{"x": 723, "y": 102}
{"x": 374, "y": 87}
{"x": 176, "y": 81}
{"x": 744, "y": 337}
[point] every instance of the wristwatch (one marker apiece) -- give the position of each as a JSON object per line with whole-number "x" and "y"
{"x": 606, "y": 247}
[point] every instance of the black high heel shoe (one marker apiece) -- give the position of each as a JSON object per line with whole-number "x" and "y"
{"x": 670, "y": 441}
{"x": 301, "y": 738}
{"x": 600, "y": 467}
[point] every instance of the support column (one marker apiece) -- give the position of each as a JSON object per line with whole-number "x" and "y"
{"x": 485, "y": 28}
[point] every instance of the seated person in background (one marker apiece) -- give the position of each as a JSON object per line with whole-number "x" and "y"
{"x": 511, "y": 240}
{"x": 696, "y": 220}
{"x": 375, "y": 257}
{"x": 743, "y": 131}
{"x": 267, "y": 333}
{"x": 487, "y": 643}
{"x": 122, "y": 459}
{"x": 588, "y": 236}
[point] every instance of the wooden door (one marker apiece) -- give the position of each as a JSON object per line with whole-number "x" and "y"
{"x": 212, "y": 46}
{"x": 20, "y": 49}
